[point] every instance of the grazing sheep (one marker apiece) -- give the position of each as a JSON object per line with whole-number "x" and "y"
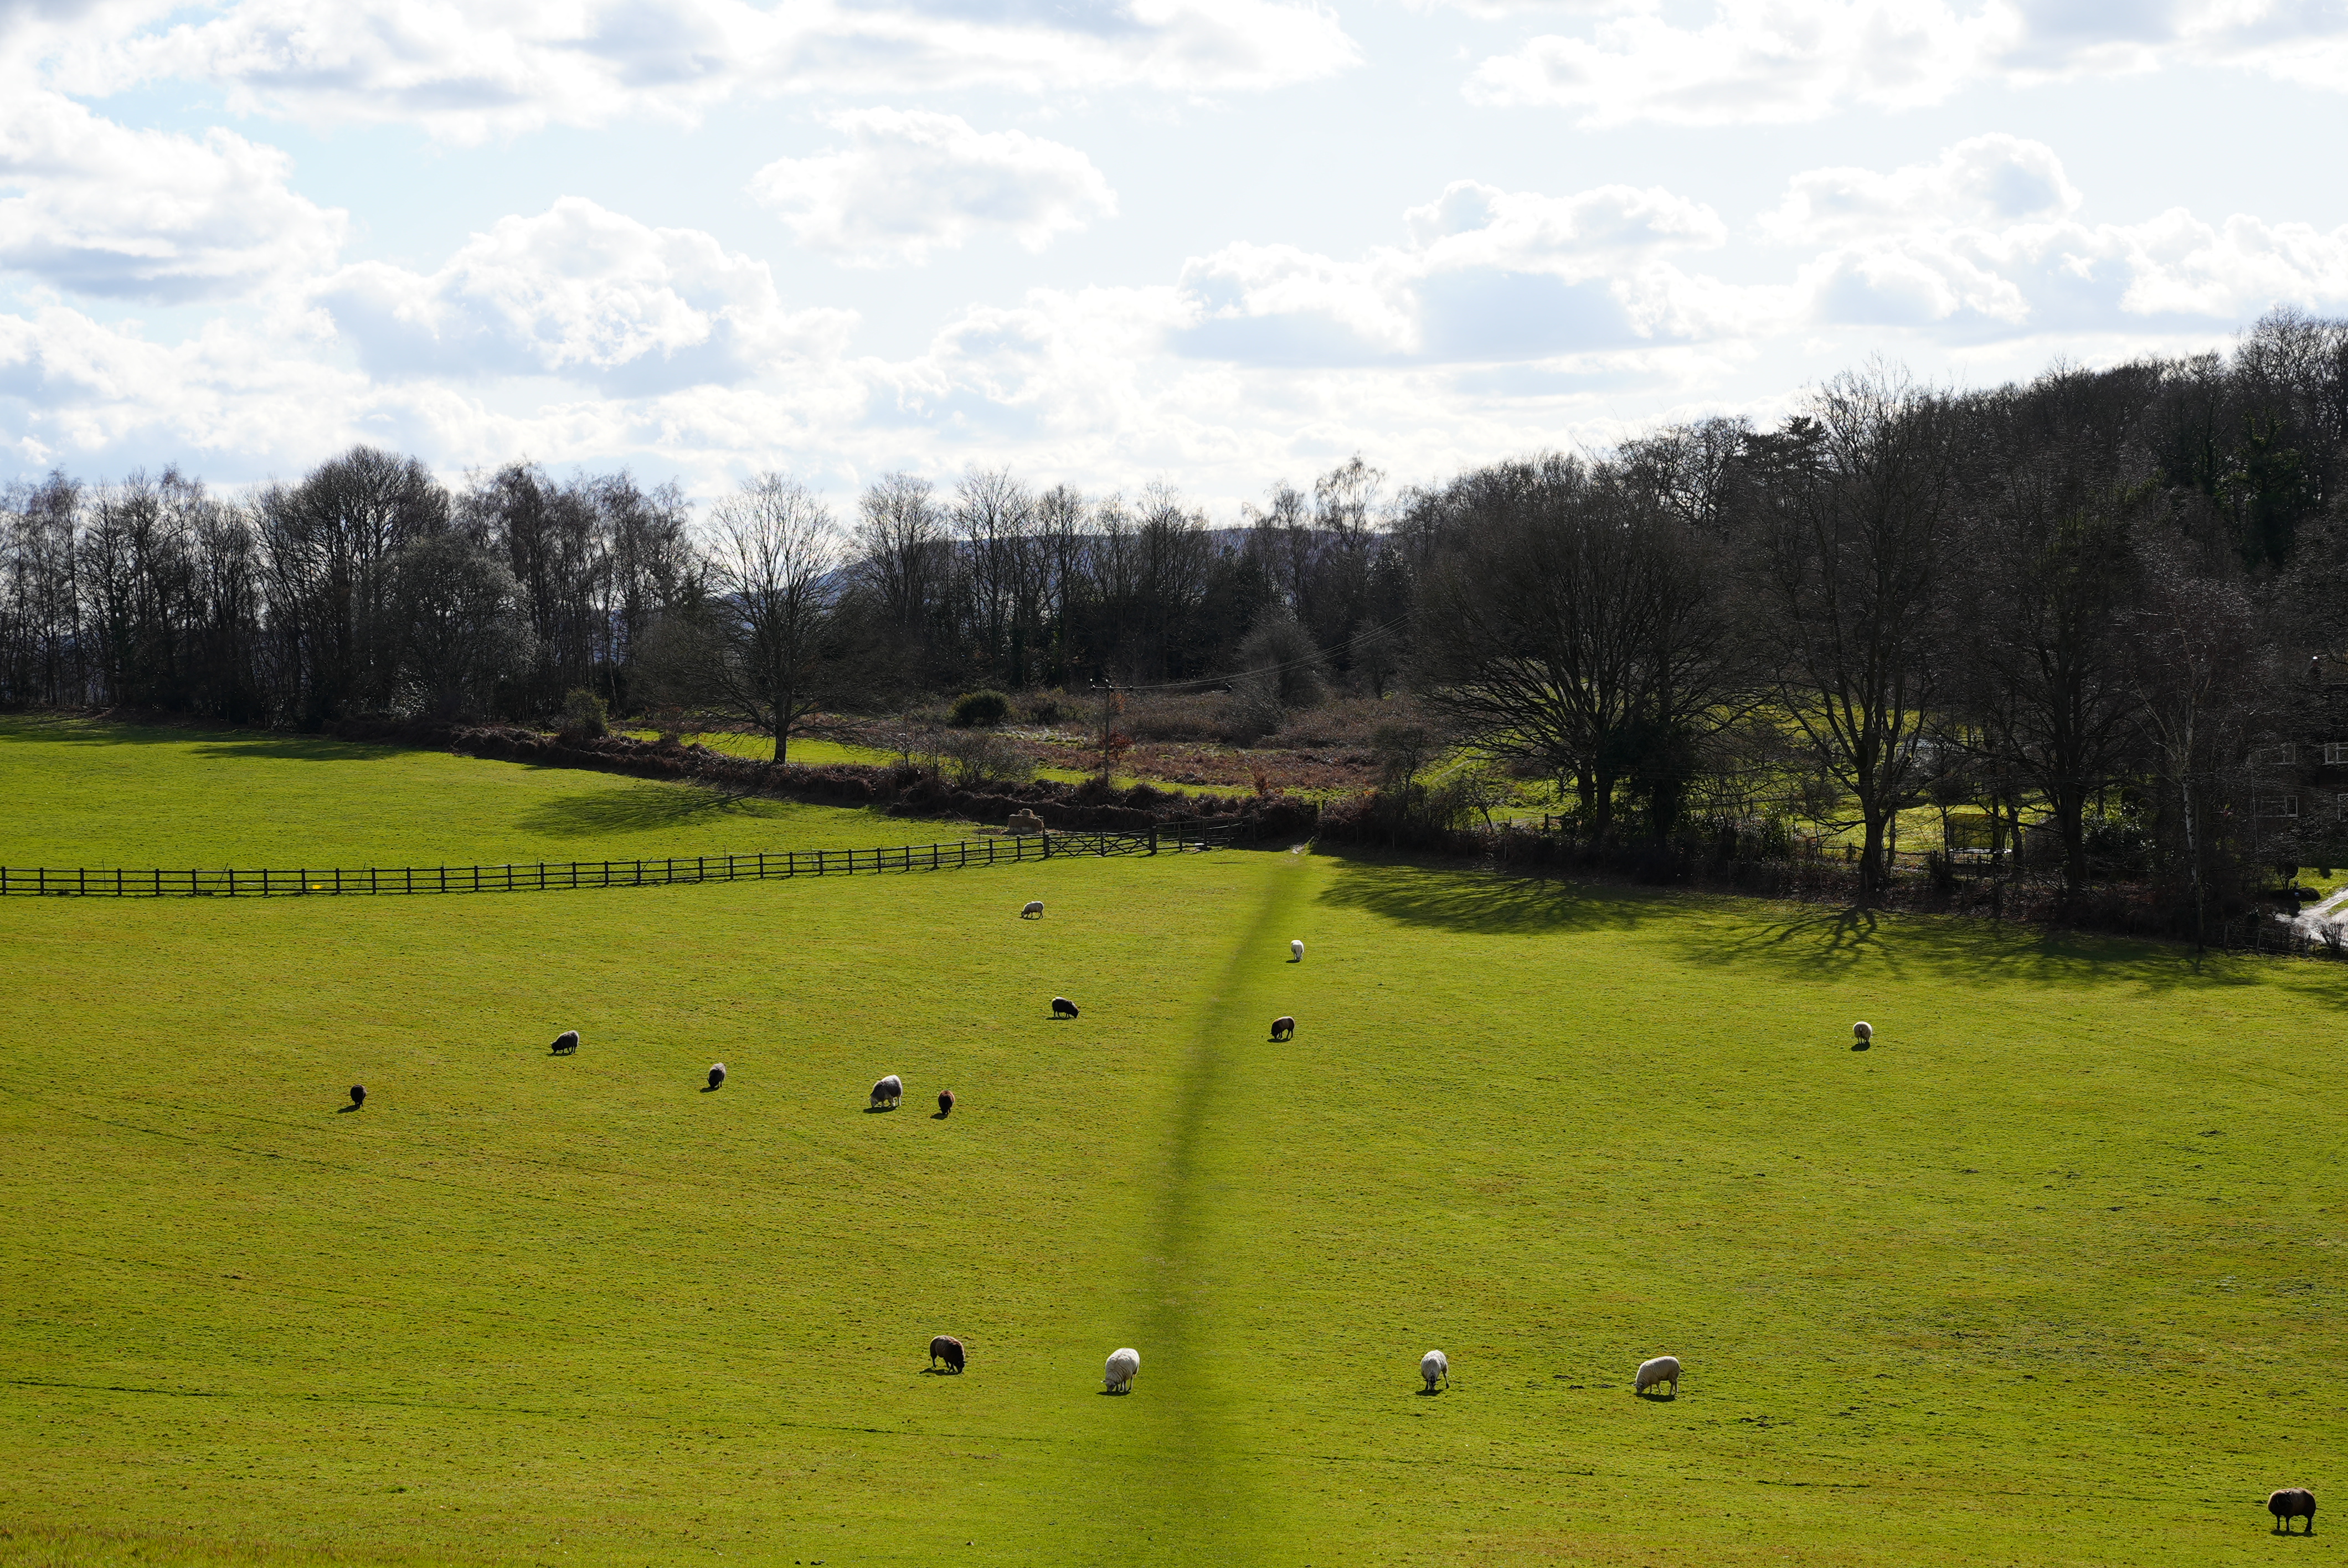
{"x": 1435, "y": 1364}
{"x": 1863, "y": 1032}
{"x": 1660, "y": 1370}
{"x": 947, "y": 1347}
{"x": 1034, "y": 911}
{"x": 716, "y": 1074}
{"x": 1282, "y": 1028}
{"x": 358, "y": 1094}
{"x": 945, "y": 1101}
{"x": 2293, "y": 1502}
{"x": 1122, "y": 1366}
{"x": 889, "y": 1090}
{"x": 566, "y": 1042}
{"x": 1062, "y": 1008}
{"x": 1296, "y": 952}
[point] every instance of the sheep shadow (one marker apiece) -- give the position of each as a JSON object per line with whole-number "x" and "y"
{"x": 1115, "y": 1393}
{"x": 1653, "y": 1397}
{"x": 1862, "y": 1045}
{"x": 346, "y": 1110}
{"x": 942, "y": 1372}
{"x": 1426, "y": 1393}
{"x": 712, "y": 1088}
{"x": 878, "y": 1110}
{"x": 937, "y": 1115}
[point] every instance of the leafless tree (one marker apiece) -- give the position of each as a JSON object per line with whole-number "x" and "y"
{"x": 2046, "y": 683}
{"x": 1851, "y": 509}
{"x": 758, "y": 642}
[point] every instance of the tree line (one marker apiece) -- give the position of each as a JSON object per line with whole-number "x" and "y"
{"x": 2104, "y": 600}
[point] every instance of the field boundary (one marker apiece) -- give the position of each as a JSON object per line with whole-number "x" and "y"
{"x": 649, "y": 872}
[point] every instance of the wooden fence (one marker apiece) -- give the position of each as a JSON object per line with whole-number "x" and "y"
{"x": 302, "y": 882}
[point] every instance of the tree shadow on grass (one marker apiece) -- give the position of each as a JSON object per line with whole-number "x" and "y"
{"x": 638, "y": 809}
{"x": 1791, "y": 940}
{"x": 1488, "y": 903}
{"x": 292, "y": 749}
{"x": 1814, "y": 940}
{"x": 213, "y": 746}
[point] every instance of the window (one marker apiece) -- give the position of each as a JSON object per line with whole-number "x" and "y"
{"x": 2278, "y": 806}
{"x": 2335, "y": 754}
{"x": 2281, "y": 756}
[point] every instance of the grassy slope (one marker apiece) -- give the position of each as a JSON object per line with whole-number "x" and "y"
{"x": 84, "y": 793}
{"x": 2050, "y": 1275}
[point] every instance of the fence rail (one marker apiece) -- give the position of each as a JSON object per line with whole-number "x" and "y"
{"x": 303, "y": 883}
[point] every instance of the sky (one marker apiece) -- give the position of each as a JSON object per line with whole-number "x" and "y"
{"x": 1214, "y": 244}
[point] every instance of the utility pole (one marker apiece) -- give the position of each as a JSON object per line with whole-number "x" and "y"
{"x": 1107, "y": 689}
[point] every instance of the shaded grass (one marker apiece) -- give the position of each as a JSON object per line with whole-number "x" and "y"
{"x": 2050, "y": 1275}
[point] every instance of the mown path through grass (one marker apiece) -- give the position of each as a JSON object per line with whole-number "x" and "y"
{"x": 1186, "y": 1447}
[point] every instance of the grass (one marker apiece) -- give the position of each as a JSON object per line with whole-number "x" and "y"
{"x": 2052, "y": 1275}
{"x": 85, "y": 792}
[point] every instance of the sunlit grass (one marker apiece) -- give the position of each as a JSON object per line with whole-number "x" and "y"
{"x": 2051, "y": 1274}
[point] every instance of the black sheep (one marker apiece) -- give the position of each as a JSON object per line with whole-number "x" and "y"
{"x": 945, "y": 1101}
{"x": 947, "y": 1347}
{"x": 1062, "y": 1008}
{"x": 358, "y": 1094}
{"x": 2293, "y": 1502}
{"x": 566, "y": 1042}
{"x": 1282, "y": 1028}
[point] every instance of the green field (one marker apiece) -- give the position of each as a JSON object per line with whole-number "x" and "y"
{"x": 2052, "y": 1275}
{"x": 82, "y": 793}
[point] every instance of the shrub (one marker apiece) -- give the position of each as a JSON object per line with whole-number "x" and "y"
{"x": 981, "y": 757}
{"x": 1043, "y": 708}
{"x": 980, "y": 710}
{"x": 585, "y": 715}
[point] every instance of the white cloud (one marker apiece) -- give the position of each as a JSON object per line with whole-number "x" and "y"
{"x": 1475, "y": 225}
{"x": 1775, "y": 61}
{"x": 909, "y": 182}
{"x": 498, "y": 66}
{"x": 1984, "y": 180}
{"x": 97, "y": 208}
{"x": 1985, "y": 239}
{"x": 1490, "y": 274}
{"x": 583, "y": 293}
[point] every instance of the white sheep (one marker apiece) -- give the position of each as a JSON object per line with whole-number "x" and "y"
{"x": 1863, "y": 1032}
{"x": 1662, "y": 1370}
{"x": 1122, "y": 1365}
{"x": 1034, "y": 911}
{"x": 1435, "y": 1364}
{"x": 1296, "y": 952}
{"x": 889, "y": 1090}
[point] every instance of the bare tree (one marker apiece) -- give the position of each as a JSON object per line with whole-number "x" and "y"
{"x": 2193, "y": 653}
{"x": 2046, "y": 683}
{"x": 1852, "y": 504}
{"x": 756, "y": 645}
{"x": 1573, "y": 621}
